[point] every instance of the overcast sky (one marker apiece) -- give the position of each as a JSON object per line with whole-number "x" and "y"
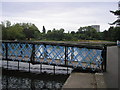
{"x": 67, "y": 15}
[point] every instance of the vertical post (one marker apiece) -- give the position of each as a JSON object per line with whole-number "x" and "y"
{"x": 18, "y": 64}
{"x": 72, "y": 53}
{"x": 45, "y": 51}
{"x": 54, "y": 69}
{"x": 66, "y": 55}
{"x": 29, "y": 66}
{"x": 67, "y": 70}
{"x": 21, "y": 51}
{"x": 104, "y": 56}
{"x": 6, "y": 46}
{"x": 102, "y": 65}
{"x": 102, "y": 68}
{"x": 33, "y": 54}
{"x": 41, "y": 68}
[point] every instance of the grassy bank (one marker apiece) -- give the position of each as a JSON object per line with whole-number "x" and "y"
{"x": 90, "y": 42}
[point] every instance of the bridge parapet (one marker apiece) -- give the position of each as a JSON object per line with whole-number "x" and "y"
{"x": 58, "y": 54}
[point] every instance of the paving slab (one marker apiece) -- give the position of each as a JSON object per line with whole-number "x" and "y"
{"x": 100, "y": 81}
{"x": 85, "y": 80}
{"x": 80, "y": 80}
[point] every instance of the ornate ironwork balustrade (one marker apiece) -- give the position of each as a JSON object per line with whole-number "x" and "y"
{"x": 58, "y": 54}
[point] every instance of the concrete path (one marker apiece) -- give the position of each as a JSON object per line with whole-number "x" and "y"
{"x": 111, "y": 76}
{"x": 107, "y": 79}
{"x": 85, "y": 80}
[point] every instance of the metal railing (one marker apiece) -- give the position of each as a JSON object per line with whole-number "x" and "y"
{"x": 57, "y": 54}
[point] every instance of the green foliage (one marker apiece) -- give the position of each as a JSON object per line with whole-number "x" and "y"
{"x": 113, "y": 34}
{"x": 117, "y": 13}
{"x": 19, "y": 31}
{"x": 87, "y": 33}
{"x": 44, "y": 30}
{"x": 28, "y": 31}
{"x": 15, "y": 32}
{"x": 57, "y": 35}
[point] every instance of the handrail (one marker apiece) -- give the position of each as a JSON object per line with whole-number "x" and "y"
{"x": 80, "y": 45}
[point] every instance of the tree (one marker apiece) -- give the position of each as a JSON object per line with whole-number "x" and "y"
{"x": 8, "y": 23}
{"x": 57, "y": 35}
{"x": 11, "y": 32}
{"x": 31, "y": 31}
{"x": 44, "y": 30}
{"x": 15, "y": 32}
{"x": 68, "y": 37}
{"x": 87, "y": 32}
{"x": 114, "y": 32}
{"x": 117, "y": 13}
{"x": 4, "y": 31}
{"x": 28, "y": 33}
{"x": 80, "y": 30}
{"x": 19, "y": 31}
{"x": 72, "y": 32}
{"x": 49, "y": 31}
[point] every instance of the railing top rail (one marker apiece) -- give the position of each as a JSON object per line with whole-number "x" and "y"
{"x": 80, "y": 45}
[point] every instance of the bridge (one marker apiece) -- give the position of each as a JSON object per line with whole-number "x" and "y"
{"x": 77, "y": 56}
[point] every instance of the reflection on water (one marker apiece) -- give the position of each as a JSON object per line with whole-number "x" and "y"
{"x": 19, "y": 81}
{"x": 35, "y": 79}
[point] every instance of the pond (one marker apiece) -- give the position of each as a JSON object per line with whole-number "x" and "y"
{"x": 12, "y": 78}
{"x": 22, "y": 80}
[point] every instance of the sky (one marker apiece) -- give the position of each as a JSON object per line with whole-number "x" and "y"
{"x": 67, "y": 15}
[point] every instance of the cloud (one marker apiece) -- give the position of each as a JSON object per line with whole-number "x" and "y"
{"x": 59, "y": 0}
{"x": 69, "y": 16}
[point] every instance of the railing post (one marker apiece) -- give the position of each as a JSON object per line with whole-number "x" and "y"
{"x": 33, "y": 54}
{"x": 18, "y": 64}
{"x": 6, "y": 56}
{"x": 66, "y": 57}
{"x": 54, "y": 69}
{"x": 21, "y": 48}
{"x": 6, "y": 51}
{"x": 40, "y": 67}
{"x": 105, "y": 61}
{"x": 72, "y": 53}
{"x": 66, "y": 50}
{"x": 45, "y": 51}
{"x": 104, "y": 56}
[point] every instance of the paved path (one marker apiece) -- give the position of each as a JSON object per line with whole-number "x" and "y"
{"x": 107, "y": 79}
{"x": 111, "y": 76}
{"x": 85, "y": 80}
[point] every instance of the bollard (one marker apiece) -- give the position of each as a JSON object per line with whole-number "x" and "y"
{"x": 118, "y": 43}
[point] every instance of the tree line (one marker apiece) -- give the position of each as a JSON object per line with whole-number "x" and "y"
{"x": 27, "y": 31}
